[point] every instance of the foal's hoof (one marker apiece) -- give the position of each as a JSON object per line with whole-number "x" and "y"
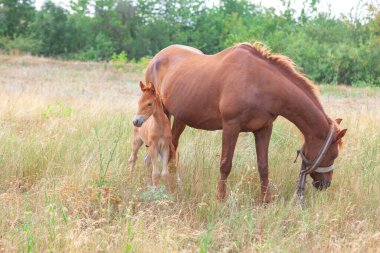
{"x": 155, "y": 180}
{"x": 132, "y": 161}
{"x": 170, "y": 182}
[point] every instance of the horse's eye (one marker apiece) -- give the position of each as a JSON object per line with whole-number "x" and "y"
{"x": 150, "y": 104}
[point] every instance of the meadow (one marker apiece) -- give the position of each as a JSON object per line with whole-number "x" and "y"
{"x": 66, "y": 185}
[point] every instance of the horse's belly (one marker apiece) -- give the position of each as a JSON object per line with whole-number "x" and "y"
{"x": 197, "y": 118}
{"x": 195, "y": 109}
{"x": 204, "y": 124}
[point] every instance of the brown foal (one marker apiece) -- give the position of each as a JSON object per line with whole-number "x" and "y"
{"x": 244, "y": 88}
{"x": 152, "y": 128}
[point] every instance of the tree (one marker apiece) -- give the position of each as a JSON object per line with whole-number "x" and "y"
{"x": 15, "y": 17}
{"x": 52, "y": 29}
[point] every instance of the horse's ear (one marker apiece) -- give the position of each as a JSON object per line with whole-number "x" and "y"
{"x": 142, "y": 86}
{"x": 340, "y": 134}
{"x": 338, "y": 120}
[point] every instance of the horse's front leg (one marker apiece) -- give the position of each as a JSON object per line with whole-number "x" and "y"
{"x": 262, "y": 138}
{"x": 177, "y": 130}
{"x": 229, "y": 137}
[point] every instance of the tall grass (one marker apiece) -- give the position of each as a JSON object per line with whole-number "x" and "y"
{"x": 66, "y": 185}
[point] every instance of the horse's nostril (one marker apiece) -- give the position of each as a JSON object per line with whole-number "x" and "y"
{"x": 321, "y": 185}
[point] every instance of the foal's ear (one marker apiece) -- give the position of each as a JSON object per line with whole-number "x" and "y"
{"x": 340, "y": 134}
{"x": 150, "y": 86}
{"x": 338, "y": 120}
{"x": 142, "y": 86}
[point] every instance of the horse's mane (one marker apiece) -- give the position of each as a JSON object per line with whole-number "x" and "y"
{"x": 286, "y": 65}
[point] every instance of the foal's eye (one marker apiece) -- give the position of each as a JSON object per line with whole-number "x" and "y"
{"x": 150, "y": 104}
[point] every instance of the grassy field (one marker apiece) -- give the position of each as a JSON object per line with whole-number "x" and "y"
{"x": 66, "y": 185}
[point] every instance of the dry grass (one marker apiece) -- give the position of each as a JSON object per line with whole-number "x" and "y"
{"x": 66, "y": 186}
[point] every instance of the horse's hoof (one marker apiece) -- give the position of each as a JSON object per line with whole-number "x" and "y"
{"x": 221, "y": 197}
{"x": 267, "y": 198}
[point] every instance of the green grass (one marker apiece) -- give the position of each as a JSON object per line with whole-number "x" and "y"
{"x": 66, "y": 185}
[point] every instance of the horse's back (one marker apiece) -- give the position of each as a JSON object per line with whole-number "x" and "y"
{"x": 168, "y": 56}
{"x": 204, "y": 90}
{"x": 177, "y": 49}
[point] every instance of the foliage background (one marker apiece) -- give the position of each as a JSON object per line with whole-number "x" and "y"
{"x": 335, "y": 50}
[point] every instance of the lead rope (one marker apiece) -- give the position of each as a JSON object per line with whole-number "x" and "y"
{"x": 301, "y": 186}
{"x": 313, "y": 166}
{"x": 298, "y": 153}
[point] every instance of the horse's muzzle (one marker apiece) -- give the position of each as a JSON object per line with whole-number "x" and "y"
{"x": 138, "y": 120}
{"x": 321, "y": 184}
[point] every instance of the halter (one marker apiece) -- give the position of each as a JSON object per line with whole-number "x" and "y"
{"x": 308, "y": 166}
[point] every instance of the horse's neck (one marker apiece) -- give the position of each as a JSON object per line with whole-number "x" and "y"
{"x": 310, "y": 119}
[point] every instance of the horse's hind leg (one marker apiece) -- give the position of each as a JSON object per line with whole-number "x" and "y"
{"x": 137, "y": 142}
{"x": 229, "y": 138}
{"x": 262, "y": 138}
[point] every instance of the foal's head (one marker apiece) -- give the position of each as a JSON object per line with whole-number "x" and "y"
{"x": 322, "y": 180}
{"x": 149, "y": 102}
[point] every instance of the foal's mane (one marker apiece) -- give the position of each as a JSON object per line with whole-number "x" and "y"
{"x": 287, "y": 66}
{"x": 158, "y": 93}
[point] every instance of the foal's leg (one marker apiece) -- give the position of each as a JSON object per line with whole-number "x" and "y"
{"x": 262, "y": 138}
{"x": 169, "y": 178}
{"x": 165, "y": 158}
{"x": 153, "y": 153}
{"x": 147, "y": 160}
{"x": 229, "y": 138}
{"x": 137, "y": 142}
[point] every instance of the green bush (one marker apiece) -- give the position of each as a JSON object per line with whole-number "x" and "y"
{"x": 23, "y": 44}
{"x": 119, "y": 60}
{"x": 144, "y": 61}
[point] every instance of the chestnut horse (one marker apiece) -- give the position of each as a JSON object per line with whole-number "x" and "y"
{"x": 244, "y": 88}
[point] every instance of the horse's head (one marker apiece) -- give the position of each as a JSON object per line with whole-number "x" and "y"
{"x": 322, "y": 175}
{"x": 147, "y": 104}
